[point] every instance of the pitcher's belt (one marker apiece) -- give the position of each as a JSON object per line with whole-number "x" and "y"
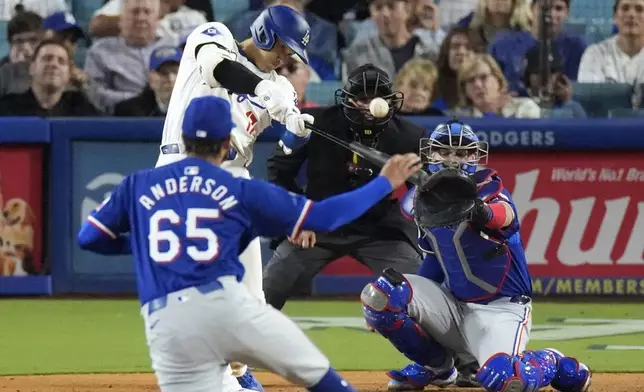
{"x": 161, "y": 302}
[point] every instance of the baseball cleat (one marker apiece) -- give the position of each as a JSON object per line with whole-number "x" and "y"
{"x": 513, "y": 385}
{"x": 467, "y": 375}
{"x": 414, "y": 377}
{"x": 248, "y": 382}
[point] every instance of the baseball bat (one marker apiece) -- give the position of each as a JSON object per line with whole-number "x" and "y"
{"x": 370, "y": 154}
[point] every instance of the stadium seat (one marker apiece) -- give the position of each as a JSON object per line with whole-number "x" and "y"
{"x": 4, "y": 44}
{"x": 592, "y": 9}
{"x": 557, "y": 113}
{"x": 600, "y": 98}
{"x": 83, "y": 11}
{"x": 593, "y": 30}
{"x": 625, "y": 113}
{"x": 79, "y": 55}
{"x": 225, "y": 9}
{"x": 323, "y": 93}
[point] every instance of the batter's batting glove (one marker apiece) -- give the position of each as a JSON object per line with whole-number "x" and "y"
{"x": 295, "y": 124}
{"x": 290, "y": 142}
{"x": 282, "y": 107}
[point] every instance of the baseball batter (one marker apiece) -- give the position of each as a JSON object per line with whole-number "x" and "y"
{"x": 472, "y": 293}
{"x": 242, "y": 73}
{"x": 187, "y": 223}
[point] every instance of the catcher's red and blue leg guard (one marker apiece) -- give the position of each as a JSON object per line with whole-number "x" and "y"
{"x": 384, "y": 305}
{"x": 503, "y": 373}
{"x": 570, "y": 375}
{"x": 532, "y": 370}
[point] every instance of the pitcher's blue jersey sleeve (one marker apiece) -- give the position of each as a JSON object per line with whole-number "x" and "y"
{"x": 273, "y": 211}
{"x": 111, "y": 216}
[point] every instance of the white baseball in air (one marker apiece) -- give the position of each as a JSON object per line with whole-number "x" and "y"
{"x": 378, "y": 107}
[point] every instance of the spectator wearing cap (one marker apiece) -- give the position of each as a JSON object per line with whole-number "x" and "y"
{"x": 62, "y": 26}
{"x": 48, "y": 95}
{"x": 153, "y": 101}
{"x": 322, "y": 48}
{"x": 509, "y": 48}
{"x": 117, "y": 67}
{"x": 618, "y": 59}
{"x": 175, "y": 19}
{"x": 24, "y": 34}
{"x": 394, "y": 44}
{"x": 558, "y": 84}
{"x": 11, "y": 8}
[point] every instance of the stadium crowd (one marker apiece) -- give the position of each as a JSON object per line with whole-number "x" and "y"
{"x": 470, "y": 58}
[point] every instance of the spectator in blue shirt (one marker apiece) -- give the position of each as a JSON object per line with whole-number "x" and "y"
{"x": 509, "y": 49}
{"x": 494, "y": 16}
{"x": 558, "y": 83}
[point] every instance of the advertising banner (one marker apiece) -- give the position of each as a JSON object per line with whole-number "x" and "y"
{"x": 582, "y": 219}
{"x": 23, "y": 270}
{"x": 582, "y": 216}
{"x": 21, "y": 203}
{"x": 97, "y": 167}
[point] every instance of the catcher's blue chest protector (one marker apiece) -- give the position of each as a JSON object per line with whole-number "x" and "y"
{"x": 478, "y": 266}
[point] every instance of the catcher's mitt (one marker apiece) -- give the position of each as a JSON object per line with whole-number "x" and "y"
{"x": 448, "y": 197}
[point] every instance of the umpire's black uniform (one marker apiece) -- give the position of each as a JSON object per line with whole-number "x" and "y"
{"x": 381, "y": 238}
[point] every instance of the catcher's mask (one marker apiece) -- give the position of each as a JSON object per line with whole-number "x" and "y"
{"x": 364, "y": 84}
{"x": 453, "y": 145}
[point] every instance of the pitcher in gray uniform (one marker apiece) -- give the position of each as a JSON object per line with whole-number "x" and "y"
{"x": 473, "y": 290}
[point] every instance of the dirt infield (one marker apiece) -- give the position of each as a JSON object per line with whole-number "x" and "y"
{"x": 364, "y": 381}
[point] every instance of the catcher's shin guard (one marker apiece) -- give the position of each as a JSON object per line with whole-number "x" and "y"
{"x": 503, "y": 373}
{"x": 384, "y": 305}
{"x": 571, "y": 375}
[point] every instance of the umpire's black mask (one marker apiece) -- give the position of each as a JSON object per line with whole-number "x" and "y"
{"x": 364, "y": 84}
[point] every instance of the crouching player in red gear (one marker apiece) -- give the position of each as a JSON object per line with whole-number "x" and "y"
{"x": 472, "y": 293}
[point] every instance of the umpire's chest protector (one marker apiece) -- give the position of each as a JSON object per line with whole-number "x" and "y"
{"x": 475, "y": 264}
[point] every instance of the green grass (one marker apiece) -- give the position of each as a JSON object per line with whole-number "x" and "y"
{"x": 70, "y": 336}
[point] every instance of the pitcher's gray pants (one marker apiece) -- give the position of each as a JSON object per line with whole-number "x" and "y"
{"x": 195, "y": 335}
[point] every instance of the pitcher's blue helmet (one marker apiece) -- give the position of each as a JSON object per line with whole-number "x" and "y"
{"x": 280, "y": 21}
{"x": 453, "y": 144}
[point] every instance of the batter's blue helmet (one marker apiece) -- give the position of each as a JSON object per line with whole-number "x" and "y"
{"x": 280, "y": 21}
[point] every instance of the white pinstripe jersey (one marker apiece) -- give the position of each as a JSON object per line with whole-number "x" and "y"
{"x": 248, "y": 114}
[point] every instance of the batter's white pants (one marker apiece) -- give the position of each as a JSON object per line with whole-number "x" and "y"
{"x": 251, "y": 259}
{"x": 193, "y": 336}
